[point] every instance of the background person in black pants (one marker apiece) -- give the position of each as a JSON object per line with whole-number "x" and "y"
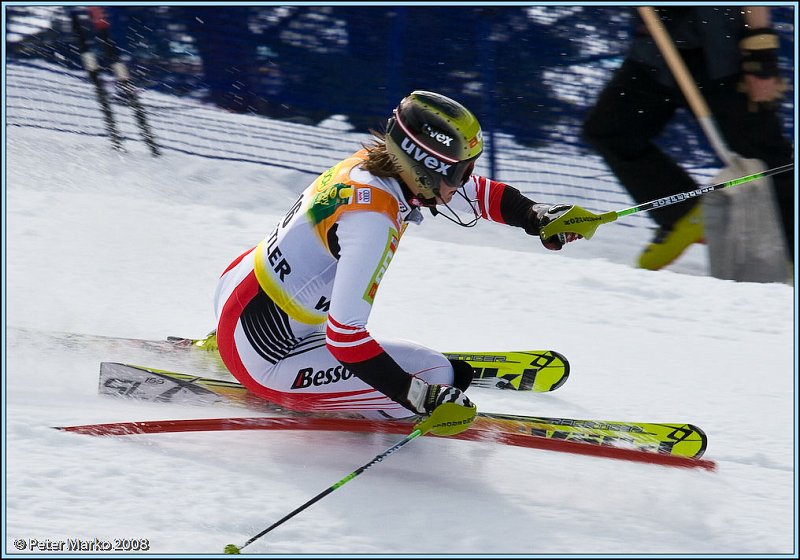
{"x": 731, "y": 53}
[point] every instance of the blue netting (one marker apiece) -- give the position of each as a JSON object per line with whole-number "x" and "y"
{"x": 531, "y": 72}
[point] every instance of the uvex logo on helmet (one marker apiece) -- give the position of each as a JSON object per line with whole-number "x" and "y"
{"x": 420, "y": 155}
{"x": 436, "y": 135}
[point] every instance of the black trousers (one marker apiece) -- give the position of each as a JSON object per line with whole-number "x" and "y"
{"x": 633, "y": 109}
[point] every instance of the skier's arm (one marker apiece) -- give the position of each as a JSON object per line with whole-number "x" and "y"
{"x": 366, "y": 242}
{"x": 502, "y": 203}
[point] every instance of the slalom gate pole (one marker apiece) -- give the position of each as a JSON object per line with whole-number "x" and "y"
{"x": 420, "y": 430}
{"x": 581, "y": 221}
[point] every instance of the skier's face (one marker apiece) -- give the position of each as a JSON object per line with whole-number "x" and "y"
{"x": 463, "y": 170}
{"x": 446, "y": 193}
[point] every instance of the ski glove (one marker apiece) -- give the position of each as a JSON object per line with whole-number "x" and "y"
{"x": 542, "y": 214}
{"x": 451, "y": 410}
{"x": 424, "y": 397}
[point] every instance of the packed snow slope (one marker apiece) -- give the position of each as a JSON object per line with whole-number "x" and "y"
{"x": 104, "y": 244}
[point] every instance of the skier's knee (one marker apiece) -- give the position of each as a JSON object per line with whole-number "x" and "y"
{"x": 462, "y": 374}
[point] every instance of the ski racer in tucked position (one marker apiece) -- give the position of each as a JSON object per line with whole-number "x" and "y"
{"x": 292, "y": 312}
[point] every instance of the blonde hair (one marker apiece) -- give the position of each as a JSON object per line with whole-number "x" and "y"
{"x": 379, "y": 161}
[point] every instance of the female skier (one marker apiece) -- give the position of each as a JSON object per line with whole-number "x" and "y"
{"x": 292, "y": 312}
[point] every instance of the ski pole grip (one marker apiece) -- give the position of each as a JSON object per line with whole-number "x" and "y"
{"x": 577, "y": 220}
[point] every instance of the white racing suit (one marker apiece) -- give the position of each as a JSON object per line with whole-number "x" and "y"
{"x": 292, "y": 312}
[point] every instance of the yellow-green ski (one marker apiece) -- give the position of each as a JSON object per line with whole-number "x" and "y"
{"x": 675, "y": 439}
{"x": 538, "y": 371}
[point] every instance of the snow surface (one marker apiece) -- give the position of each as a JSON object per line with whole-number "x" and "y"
{"x": 124, "y": 245}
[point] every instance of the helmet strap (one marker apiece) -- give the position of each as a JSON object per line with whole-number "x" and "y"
{"x": 420, "y": 202}
{"x": 430, "y": 203}
{"x": 453, "y": 215}
{"x": 415, "y": 200}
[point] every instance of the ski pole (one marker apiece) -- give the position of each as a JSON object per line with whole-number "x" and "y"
{"x": 446, "y": 419}
{"x": 581, "y": 221}
{"x": 420, "y": 430}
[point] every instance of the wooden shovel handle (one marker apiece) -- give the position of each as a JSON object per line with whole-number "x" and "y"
{"x": 689, "y": 88}
{"x": 675, "y": 62}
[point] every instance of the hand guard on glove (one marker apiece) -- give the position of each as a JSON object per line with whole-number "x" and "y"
{"x": 451, "y": 410}
{"x": 542, "y": 214}
{"x": 424, "y": 398}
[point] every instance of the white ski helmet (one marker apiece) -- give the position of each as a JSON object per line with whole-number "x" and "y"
{"x": 431, "y": 139}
